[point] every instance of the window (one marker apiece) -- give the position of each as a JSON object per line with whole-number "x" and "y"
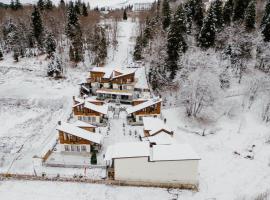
{"x": 65, "y": 136}
{"x": 80, "y": 118}
{"x": 93, "y": 119}
{"x": 66, "y": 147}
{"x": 83, "y": 148}
{"x": 140, "y": 118}
{"x": 72, "y": 148}
{"x": 78, "y": 148}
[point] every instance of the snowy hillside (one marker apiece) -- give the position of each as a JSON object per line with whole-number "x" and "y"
{"x": 96, "y": 3}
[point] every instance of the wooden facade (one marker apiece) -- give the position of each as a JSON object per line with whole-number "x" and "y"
{"x": 83, "y": 111}
{"x": 66, "y": 138}
{"x": 150, "y": 110}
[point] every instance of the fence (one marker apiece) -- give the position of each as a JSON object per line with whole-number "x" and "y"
{"x": 99, "y": 181}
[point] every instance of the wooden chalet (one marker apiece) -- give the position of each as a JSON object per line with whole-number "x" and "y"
{"x": 143, "y": 108}
{"x": 156, "y": 131}
{"x": 78, "y": 137}
{"x": 91, "y": 111}
{"x": 112, "y": 84}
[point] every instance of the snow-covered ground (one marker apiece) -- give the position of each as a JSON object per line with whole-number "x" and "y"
{"x": 235, "y": 159}
{"x": 96, "y": 3}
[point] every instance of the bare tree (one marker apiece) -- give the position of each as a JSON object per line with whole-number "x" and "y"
{"x": 200, "y": 91}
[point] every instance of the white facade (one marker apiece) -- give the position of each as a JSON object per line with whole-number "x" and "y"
{"x": 141, "y": 169}
{"x": 73, "y": 148}
{"x": 139, "y": 118}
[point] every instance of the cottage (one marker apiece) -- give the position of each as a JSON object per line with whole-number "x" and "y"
{"x": 90, "y": 110}
{"x": 156, "y": 131}
{"x": 156, "y": 164}
{"x": 143, "y": 108}
{"x": 78, "y": 137}
{"x": 112, "y": 84}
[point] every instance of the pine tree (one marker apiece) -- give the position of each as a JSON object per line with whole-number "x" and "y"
{"x": 103, "y": 46}
{"x": 228, "y": 11}
{"x": 207, "y": 34}
{"x": 18, "y": 5}
{"x": 16, "y": 56}
{"x": 166, "y": 14}
{"x": 266, "y": 30}
{"x": 55, "y": 67}
{"x": 266, "y": 13}
{"x": 125, "y": 15}
{"x": 73, "y": 31}
{"x": 198, "y": 12}
{"x": 84, "y": 10}
{"x": 217, "y": 12}
{"x": 50, "y": 44}
{"x": 175, "y": 42}
{"x": 148, "y": 32}
{"x": 71, "y": 53}
{"x": 62, "y": 4}
{"x": 137, "y": 55}
{"x": 250, "y": 16}
{"x": 12, "y": 5}
{"x": 1, "y": 55}
{"x": 77, "y": 8}
{"x": 40, "y": 5}
{"x": 239, "y": 9}
{"x": 37, "y": 27}
{"x": 48, "y": 5}
{"x": 189, "y": 10}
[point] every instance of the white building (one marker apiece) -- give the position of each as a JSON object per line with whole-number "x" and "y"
{"x": 140, "y": 162}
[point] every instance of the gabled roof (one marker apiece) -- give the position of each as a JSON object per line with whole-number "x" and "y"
{"x": 80, "y": 123}
{"x": 143, "y": 105}
{"x": 109, "y": 72}
{"x": 155, "y": 125}
{"x": 173, "y": 152}
{"x": 127, "y": 150}
{"x": 159, "y": 152}
{"x": 103, "y": 109}
{"x": 161, "y": 138}
{"x": 112, "y": 91}
{"x": 122, "y": 75}
{"x": 79, "y": 132}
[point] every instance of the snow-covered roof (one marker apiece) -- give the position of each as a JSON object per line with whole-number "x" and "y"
{"x": 80, "y": 123}
{"x": 117, "y": 92}
{"x": 173, "y": 152}
{"x": 161, "y": 138}
{"x": 159, "y": 152}
{"x": 127, "y": 150}
{"x": 143, "y": 105}
{"x": 109, "y": 72}
{"x": 98, "y": 108}
{"x": 79, "y": 132}
{"x": 125, "y": 74}
{"x": 154, "y": 125}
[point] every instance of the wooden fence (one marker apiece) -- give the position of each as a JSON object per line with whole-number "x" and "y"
{"x": 98, "y": 181}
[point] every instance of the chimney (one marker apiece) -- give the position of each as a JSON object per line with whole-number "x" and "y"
{"x": 73, "y": 98}
{"x": 59, "y": 123}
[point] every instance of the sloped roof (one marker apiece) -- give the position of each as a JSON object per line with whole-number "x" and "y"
{"x": 159, "y": 152}
{"x": 161, "y": 138}
{"x": 79, "y": 132}
{"x": 80, "y": 123}
{"x": 173, "y": 152}
{"x": 127, "y": 150}
{"x": 98, "y": 108}
{"x": 153, "y": 125}
{"x": 143, "y": 105}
